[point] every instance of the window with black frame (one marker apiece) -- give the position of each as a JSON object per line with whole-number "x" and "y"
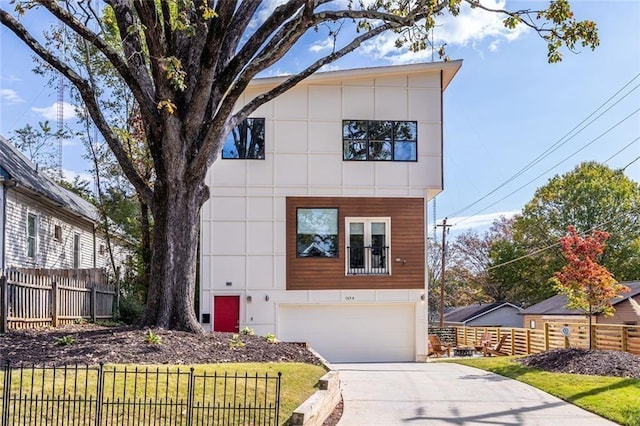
{"x": 317, "y": 232}
{"x": 245, "y": 141}
{"x": 375, "y": 140}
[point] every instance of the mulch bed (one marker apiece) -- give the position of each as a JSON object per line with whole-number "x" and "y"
{"x": 584, "y": 361}
{"x": 126, "y": 345}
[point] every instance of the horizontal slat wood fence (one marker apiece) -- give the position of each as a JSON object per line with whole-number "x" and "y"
{"x": 39, "y": 298}
{"x": 524, "y": 341}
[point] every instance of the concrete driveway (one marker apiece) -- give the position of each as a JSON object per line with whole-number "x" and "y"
{"x": 447, "y": 394}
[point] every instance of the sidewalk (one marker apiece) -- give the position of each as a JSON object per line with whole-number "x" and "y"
{"x": 448, "y": 394}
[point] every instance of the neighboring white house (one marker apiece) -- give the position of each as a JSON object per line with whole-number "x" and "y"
{"x": 316, "y": 226}
{"x": 43, "y": 225}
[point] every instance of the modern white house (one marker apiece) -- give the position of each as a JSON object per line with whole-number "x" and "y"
{"x": 316, "y": 226}
{"x": 43, "y": 225}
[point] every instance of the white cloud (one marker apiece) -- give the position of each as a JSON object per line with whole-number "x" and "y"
{"x": 478, "y": 222}
{"x": 70, "y": 175}
{"x": 51, "y": 112}
{"x": 470, "y": 28}
{"x": 10, "y": 96}
{"x": 322, "y": 45}
{"x": 10, "y": 77}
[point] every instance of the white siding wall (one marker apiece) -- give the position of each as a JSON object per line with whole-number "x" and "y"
{"x": 243, "y": 224}
{"x": 50, "y": 253}
{"x": 2, "y": 206}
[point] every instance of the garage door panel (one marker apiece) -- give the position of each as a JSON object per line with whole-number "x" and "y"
{"x": 352, "y": 333}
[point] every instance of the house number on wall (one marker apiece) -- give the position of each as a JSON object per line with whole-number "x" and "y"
{"x": 349, "y": 298}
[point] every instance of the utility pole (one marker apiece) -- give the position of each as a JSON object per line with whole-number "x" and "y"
{"x": 445, "y": 228}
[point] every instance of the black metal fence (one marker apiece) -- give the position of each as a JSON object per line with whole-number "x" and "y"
{"x": 368, "y": 260}
{"x": 107, "y": 395}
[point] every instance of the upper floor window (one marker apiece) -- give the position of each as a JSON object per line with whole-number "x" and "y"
{"x": 317, "y": 232}
{"x": 32, "y": 232}
{"x": 245, "y": 141}
{"x": 57, "y": 232}
{"x": 371, "y": 140}
{"x": 368, "y": 250}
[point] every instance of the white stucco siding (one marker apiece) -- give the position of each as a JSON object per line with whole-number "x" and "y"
{"x": 243, "y": 225}
{"x": 50, "y": 252}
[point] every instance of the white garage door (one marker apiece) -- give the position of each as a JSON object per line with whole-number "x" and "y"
{"x": 352, "y": 333}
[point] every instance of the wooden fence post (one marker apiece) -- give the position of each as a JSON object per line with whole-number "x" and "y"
{"x": 4, "y": 300}
{"x": 54, "y": 303}
{"x": 94, "y": 306}
{"x": 624, "y": 337}
{"x": 528, "y": 342}
{"x": 513, "y": 341}
{"x": 546, "y": 336}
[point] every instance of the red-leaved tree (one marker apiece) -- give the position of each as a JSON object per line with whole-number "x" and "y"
{"x": 589, "y": 286}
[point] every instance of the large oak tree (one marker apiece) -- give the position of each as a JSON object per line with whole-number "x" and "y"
{"x": 186, "y": 62}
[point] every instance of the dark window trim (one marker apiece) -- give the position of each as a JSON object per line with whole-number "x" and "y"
{"x": 393, "y": 141}
{"x": 264, "y": 141}
{"x": 337, "y": 256}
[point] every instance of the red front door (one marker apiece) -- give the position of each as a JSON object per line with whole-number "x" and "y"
{"x": 226, "y": 313}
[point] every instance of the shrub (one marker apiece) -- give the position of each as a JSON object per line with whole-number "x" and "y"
{"x": 235, "y": 342}
{"x": 271, "y": 338}
{"x": 65, "y": 340}
{"x": 247, "y": 331}
{"x": 152, "y": 338}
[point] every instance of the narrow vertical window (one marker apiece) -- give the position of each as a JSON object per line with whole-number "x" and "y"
{"x": 57, "y": 232}
{"x": 32, "y": 226}
{"x": 76, "y": 250}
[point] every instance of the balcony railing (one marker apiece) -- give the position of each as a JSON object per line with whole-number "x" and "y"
{"x": 368, "y": 260}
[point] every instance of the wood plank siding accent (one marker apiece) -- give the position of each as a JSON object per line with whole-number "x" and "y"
{"x": 407, "y": 244}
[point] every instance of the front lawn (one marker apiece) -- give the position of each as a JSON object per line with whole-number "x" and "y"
{"x": 615, "y": 398}
{"x": 139, "y": 388}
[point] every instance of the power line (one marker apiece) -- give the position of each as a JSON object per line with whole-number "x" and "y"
{"x": 559, "y": 143}
{"x": 556, "y": 165}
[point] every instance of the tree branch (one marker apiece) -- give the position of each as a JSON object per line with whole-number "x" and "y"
{"x": 88, "y": 96}
{"x": 139, "y": 86}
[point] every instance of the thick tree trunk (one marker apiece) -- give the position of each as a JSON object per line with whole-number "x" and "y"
{"x": 170, "y": 300}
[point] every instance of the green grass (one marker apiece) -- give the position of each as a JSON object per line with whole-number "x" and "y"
{"x": 160, "y": 383}
{"x": 615, "y": 398}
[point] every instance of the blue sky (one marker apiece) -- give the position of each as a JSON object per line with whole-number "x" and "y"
{"x": 505, "y": 107}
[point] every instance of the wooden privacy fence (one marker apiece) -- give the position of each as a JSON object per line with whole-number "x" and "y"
{"x": 524, "y": 341}
{"x": 44, "y": 298}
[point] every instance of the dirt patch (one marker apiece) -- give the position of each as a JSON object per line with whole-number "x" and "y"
{"x": 583, "y": 361}
{"x": 92, "y": 344}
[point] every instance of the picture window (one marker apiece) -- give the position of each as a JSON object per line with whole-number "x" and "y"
{"x": 317, "y": 232}
{"x": 372, "y": 140}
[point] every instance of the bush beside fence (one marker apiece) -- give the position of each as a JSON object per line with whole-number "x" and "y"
{"x": 102, "y": 395}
